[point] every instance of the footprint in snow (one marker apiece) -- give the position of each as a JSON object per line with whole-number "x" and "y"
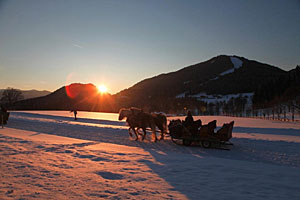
{"x": 96, "y": 195}
{"x": 99, "y": 159}
{"x": 86, "y": 156}
{"x": 109, "y": 175}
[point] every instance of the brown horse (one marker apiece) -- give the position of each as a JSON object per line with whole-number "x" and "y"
{"x": 161, "y": 123}
{"x": 136, "y": 118}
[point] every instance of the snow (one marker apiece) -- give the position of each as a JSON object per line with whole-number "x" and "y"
{"x": 214, "y": 98}
{"x": 227, "y": 72}
{"x": 83, "y": 114}
{"x": 216, "y": 78}
{"x": 237, "y": 63}
{"x": 181, "y": 95}
{"x": 48, "y": 155}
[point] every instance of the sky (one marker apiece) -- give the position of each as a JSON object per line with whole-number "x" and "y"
{"x": 46, "y": 44}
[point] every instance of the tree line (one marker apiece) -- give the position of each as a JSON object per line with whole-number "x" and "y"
{"x": 279, "y": 97}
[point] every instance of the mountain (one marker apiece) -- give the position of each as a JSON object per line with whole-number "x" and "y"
{"x": 72, "y": 97}
{"x": 232, "y": 80}
{"x": 220, "y": 75}
{"x": 283, "y": 90}
{"x": 28, "y": 94}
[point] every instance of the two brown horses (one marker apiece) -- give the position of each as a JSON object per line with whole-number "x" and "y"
{"x": 137, "y": 119}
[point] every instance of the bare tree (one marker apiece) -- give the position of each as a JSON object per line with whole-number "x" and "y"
{"x": 11, "y": 95}
{"x": 296, "y": 102}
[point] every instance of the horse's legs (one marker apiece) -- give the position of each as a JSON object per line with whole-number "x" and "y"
{"x": 132, "y": 128}
{"x": 154, "y": 138}
{"x": 130, "y": 134}
{"x": 139, "y": 131}
{"x": 162, "y": 133}
{"x": 163, "y": 130}
{"x": 136, "y": 135}
{"x": 144, "y": 130}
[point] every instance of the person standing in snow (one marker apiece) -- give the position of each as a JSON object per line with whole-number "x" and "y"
{"x": 75, "y": 114}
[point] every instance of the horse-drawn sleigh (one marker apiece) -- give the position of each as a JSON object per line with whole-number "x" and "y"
{"x": 201, "y": 134}
{"x": 188, "y": 131}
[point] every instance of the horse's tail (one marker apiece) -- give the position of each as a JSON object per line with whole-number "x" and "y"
{"x": 153, "y": 127}
{"x": 150, "y": 121}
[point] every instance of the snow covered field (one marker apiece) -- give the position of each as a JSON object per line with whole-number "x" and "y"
{"x": 48, "y": 155}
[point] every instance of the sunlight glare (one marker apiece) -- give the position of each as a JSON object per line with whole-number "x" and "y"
{"x": 102, "y": 88}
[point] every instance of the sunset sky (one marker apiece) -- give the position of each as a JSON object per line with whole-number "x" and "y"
{"x": 46, "y": 44}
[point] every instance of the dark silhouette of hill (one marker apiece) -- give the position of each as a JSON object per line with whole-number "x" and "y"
{"x": 215, "y": 76}
{"x": 28, "y": 94}
{"x": 75, "y": 96}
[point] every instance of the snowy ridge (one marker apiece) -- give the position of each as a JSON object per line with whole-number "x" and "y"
{"x": 237, "y": 63}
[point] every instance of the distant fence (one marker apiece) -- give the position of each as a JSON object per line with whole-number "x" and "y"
{"x": 266, "y": 114}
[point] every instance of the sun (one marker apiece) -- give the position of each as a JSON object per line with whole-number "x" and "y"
{"x": 102, "y": 88}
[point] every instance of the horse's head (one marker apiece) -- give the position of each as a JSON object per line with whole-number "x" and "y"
{"x": 124, "y": 113}
{"x": 121, "y": 114}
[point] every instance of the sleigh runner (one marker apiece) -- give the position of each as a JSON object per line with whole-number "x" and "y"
{"x": 204, "y": 135}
